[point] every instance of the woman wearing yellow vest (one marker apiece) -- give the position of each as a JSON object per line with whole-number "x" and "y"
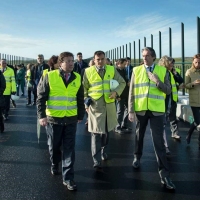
{"x": 148, "y": 89}
{"x": 60, "y": 105}
{"x": 171, "y": 99}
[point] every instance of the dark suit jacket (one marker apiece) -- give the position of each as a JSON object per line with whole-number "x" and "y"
{"x": 78, "y": 69}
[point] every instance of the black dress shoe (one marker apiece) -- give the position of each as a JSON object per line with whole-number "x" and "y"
{"x": 168, "y": 183}
{"x": 136, "y": 163}
{"x": 97, "y": 165}
{"x": 71, "y": 185}
{"x": 54, "y": 169}
{"x": 104, "y": 156}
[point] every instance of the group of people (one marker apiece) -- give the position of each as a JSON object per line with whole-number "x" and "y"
{"x": 65, "y": 92}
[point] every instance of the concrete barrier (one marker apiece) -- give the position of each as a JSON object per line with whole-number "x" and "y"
{"x": 183, "y": 110}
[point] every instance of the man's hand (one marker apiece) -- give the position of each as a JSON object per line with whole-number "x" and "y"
{"x": 131, "y": 117}
{"x": 113, "y": 95}
{"x": 43, "y": 121}
{"x": 196, "y": 82}
{"x": 87, "y": 110}
{"x": 153, "y": 77}
{"x": 181, "y": 86}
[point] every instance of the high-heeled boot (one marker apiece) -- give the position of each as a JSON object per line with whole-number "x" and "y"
{"x": 191, "y": 130}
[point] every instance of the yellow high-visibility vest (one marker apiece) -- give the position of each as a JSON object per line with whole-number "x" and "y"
{"x": 62, "y": 101}
{"x": 100, "y": 87}
{"x": 174, "y": 88}
{"x": 10, "y": 81}
{"x": 146, "y": 94}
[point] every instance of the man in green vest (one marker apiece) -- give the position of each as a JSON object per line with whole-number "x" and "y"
{"x": 10, "y": 86}
{"x": 148, "y": 88}
{"x": 60, "y": 105}
{"x": 102, "y": 116}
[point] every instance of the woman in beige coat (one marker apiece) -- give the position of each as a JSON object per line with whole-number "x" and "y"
{"x": 192, "y": 83}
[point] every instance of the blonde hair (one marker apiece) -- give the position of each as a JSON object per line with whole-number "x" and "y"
{"x": 196, "y": 56}
{"x": 165, "y": 61}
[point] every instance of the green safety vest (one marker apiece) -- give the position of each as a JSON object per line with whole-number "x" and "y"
{"x": 10, "y": 81}
{"x": 62, "y": 101}
{"x": 174, "y": 88}
{"x": 178, "y": 70}
{"x": 100, "y": 87}
{"x": 146, "y": 94}
{"x": 28, "y": 75}
{"x": 45, "y": 72}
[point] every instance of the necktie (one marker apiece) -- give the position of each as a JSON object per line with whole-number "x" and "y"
{"x": 66, "y": 77}
{"x": 101, "y": 72}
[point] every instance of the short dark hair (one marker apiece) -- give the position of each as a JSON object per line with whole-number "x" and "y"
{"x": 152, "y": 51}
{"x": 79, "y": 54}
{"x": 98, "y": 53}
{"x": 127, "y": 58}
{"x": 52, "y": 61}
{"x": 63, "y": 55}
{"x": 122, "y": 60}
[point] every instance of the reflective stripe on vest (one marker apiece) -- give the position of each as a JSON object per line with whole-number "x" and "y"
{"x": 62, "y": 101}
{"x": 9, "y": 76}
{"x": 174, "y": 88}
{"x": 100, "y": 87}
{"x": 28, "y": 74}
{"x": 146, "y": 94}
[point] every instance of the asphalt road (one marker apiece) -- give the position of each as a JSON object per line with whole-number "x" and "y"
{"x": 25, "y": 166}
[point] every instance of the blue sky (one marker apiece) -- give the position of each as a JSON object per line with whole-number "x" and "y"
{"x": 32, "y": 27}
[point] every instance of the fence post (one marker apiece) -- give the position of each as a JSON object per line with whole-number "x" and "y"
{"x": 144, "y": 41}
{"x": 134, "y": 52}
{"x": 123, "y": 50}
{"x": 151, "y": 41}
{"x": 170, "y": 42}
{"x": 198, "y": 35}
{"x": 139, "y": 49}
{"x": 130, "y": 50}
{"x": 160, "y": 46}
{"x": 183, "y": 54}
{"x": 126, "y": 50}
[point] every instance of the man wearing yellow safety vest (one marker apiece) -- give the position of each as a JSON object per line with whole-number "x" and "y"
{"x": 102, "y": 117}
{"x": 148, "y": 88}
{"x": 60, "y": 105}
{"x": 10, "y": 86}
{"x": 2, "y": 102}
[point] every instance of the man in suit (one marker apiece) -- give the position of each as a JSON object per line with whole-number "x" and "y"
{"x": 129, "y": 69}
{"x": 148, "y": 88}
{"x": 36, "y": 74}
{"x": 80, "y": 64}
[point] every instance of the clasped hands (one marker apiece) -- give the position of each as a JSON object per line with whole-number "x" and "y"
{"x": 196, "y": 82}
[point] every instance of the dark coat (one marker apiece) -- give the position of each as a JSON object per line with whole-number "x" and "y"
{"x": 43, "y": 95}
{"x": 78, "y": 69}
{"x": 34, "y": 71}
{"x": 2, "y": 88}
{"x": 124, "y": 94}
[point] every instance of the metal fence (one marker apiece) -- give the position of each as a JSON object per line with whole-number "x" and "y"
{"x": 14, "y": 60}
{"x": 129, "y": 50}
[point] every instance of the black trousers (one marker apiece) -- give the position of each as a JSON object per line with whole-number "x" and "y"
{"x": 172, "y": 118}
{"x": 196, "y": 114}
{"x": 29, "y": 95}
{"x": 60, "y": 135}
{"x": 7, "y": 105}
{"x": 156, "y": 125}
{"x": 1, "y": 120}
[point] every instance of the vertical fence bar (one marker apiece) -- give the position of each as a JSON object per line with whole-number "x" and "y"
{"x": 123, "y": 50}
{"x": 170, "y": 42}
{"x": 120, "y": 52}
{"x": 117, "y": 53}
{"x": 198, "y": 35}
{"x": 130, "y": 50}
{"x": 126, "y": 50}
{"x": 183, "y": 54}
{"x": 0, "y": 56}
{"x": 139, "y": 49}
{"x": 160, "y": 46}
{"x": 151, "y": 41}
{"x": 134, "y": 52}
{"x": 145, "y": 42}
